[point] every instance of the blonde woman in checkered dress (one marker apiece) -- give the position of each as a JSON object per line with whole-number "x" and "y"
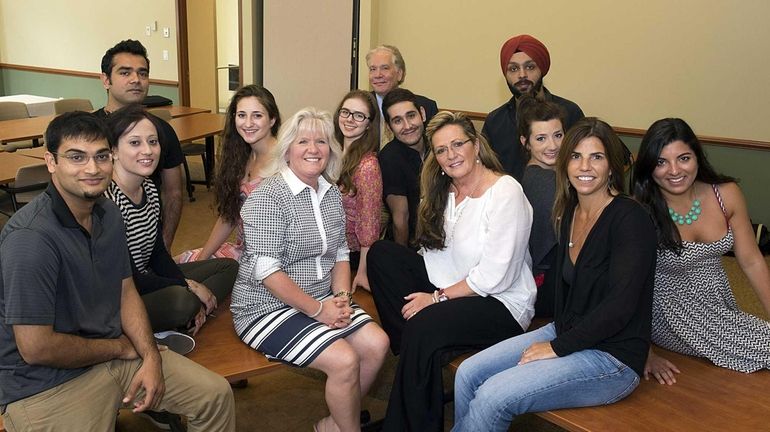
{"x": 291, "y": 300}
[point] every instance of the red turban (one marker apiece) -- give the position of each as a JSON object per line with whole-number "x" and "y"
{"x": 529, "y": 46}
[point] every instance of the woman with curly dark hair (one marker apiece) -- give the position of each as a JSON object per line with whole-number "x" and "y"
{"x": 248, "y": 141}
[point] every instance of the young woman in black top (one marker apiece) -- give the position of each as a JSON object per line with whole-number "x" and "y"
{"x": 594, "y": 351}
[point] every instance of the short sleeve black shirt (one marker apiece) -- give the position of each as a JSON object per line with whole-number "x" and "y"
{"x": 400, "y": 166}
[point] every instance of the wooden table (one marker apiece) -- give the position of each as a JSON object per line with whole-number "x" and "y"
{"x": 197, "y": 126}
{"x": 34, "y": 128}
{"x": 23, "y": 129}
{"x": 34, "y": 152}
{"x": 11, "y": 162}
{"x": 181, "y": 111}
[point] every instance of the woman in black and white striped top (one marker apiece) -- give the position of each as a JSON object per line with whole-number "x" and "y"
{"x": 175, "y": 296}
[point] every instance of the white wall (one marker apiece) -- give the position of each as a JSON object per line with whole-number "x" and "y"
{"x": 74, "y": 34}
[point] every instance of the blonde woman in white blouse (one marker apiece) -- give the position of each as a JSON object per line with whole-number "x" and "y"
{"x": 472, "y": 285}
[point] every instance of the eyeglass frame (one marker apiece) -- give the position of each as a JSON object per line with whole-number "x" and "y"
{"x": 87, "y": 157}
{"x": 353, "y": 113}
{"x": 456, "y": 145}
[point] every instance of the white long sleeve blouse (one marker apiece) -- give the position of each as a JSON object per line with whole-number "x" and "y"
{"x": 487, "y": 244}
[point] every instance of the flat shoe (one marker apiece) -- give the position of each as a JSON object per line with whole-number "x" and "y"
{"x": 180, "y": 343}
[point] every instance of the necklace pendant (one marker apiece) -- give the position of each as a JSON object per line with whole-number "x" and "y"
{"x": 570, "y": 244}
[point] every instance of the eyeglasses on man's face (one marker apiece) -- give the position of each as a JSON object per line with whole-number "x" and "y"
{"x": 80, "y": 158}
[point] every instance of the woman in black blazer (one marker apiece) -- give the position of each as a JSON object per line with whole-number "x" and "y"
{"x": 594, "y": 351}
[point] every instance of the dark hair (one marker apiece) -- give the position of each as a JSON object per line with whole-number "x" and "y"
{"x": 118, "y": 122}
{"x": 75, "y": 124}
{"x": 435, "y": 185}
{"x": 530, "y": 110}
{"x": 129, "y": 46}
{"x": 397, "y": 95}
{"x": 588, "y": 127}
{"x": 235, "y": 152}
{"x": 366, "y": 143}
{"x": 660, "y": 134}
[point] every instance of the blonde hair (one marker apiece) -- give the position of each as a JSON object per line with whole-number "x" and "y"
{"x": 305, "y": 119}
{"x": 434, "y": 184}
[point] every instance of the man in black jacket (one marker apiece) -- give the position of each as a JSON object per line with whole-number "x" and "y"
{"x": 387, "y": 71}
{"x": 524, "y": 61}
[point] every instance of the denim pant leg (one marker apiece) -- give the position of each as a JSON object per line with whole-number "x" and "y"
{"x": 474, "y": 371}
{"x": 584, "y": 378}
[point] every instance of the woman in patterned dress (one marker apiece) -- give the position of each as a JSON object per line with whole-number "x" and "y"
{"x": 356, "y": 127}
{"x": 291, "y": 299}
{"x": 699, "y": 215}
{"x": 248, "y": 143}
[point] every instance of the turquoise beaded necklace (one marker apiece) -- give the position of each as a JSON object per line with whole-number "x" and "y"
{"x": 690, "y": 217}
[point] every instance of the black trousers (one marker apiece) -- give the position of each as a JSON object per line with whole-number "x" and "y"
{"x": 430, "y": 339}
{"x": 172, "y": 307}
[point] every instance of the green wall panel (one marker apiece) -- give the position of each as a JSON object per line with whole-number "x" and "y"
{"x": 14, "y": 81}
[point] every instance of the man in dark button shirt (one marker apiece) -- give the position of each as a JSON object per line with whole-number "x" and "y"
{"x": 401, "y": 162}
{"x": 524, "y": 61}
{"x": 126, "y": 77}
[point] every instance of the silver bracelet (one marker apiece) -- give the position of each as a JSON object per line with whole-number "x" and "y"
{"x": 318, "y": 312}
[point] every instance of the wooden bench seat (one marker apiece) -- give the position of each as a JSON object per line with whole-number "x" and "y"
{"x": 219, "y": 349}
{"x": 704, "y": 398}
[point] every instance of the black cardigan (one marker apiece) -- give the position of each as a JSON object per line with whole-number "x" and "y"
{"x": 608, "y": 304}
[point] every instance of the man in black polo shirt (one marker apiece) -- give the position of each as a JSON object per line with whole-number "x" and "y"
{"x": 524, "y": 61}
{"x": 401, "y": 162}
{"x": 75, "y": 341}
{"x": 126, "y": 77}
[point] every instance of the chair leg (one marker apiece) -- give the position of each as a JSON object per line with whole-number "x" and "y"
{"x": 188, "y": 181}
{"x": 14, "y": 203}
{"x": 206, "y": 171}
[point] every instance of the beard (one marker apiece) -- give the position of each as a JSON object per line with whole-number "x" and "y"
{"x": 92, "y": 196}
{"x": 534, "y": 89}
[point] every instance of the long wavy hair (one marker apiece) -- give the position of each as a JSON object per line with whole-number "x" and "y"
{"x": 566, "y": 196}
{"x": 308, "y": 118}
{"x": 660, "y": 134}
{"x": 434, "y": 185}
{"x": 235, "y": 152}
{"x": 368, "y": 142}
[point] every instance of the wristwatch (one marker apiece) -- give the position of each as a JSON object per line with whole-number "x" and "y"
{"x": 442, "y": 297}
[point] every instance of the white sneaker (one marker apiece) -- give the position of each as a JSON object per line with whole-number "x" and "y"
{"x": 180, "y": 343}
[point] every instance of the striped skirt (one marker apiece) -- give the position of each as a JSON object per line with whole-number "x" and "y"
{"x": 290, "y": 336}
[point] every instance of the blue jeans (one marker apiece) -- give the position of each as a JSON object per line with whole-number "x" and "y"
{"x": 490, "y": 389}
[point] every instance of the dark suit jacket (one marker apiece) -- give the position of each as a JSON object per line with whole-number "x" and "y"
{"x": 428, "y": 104}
